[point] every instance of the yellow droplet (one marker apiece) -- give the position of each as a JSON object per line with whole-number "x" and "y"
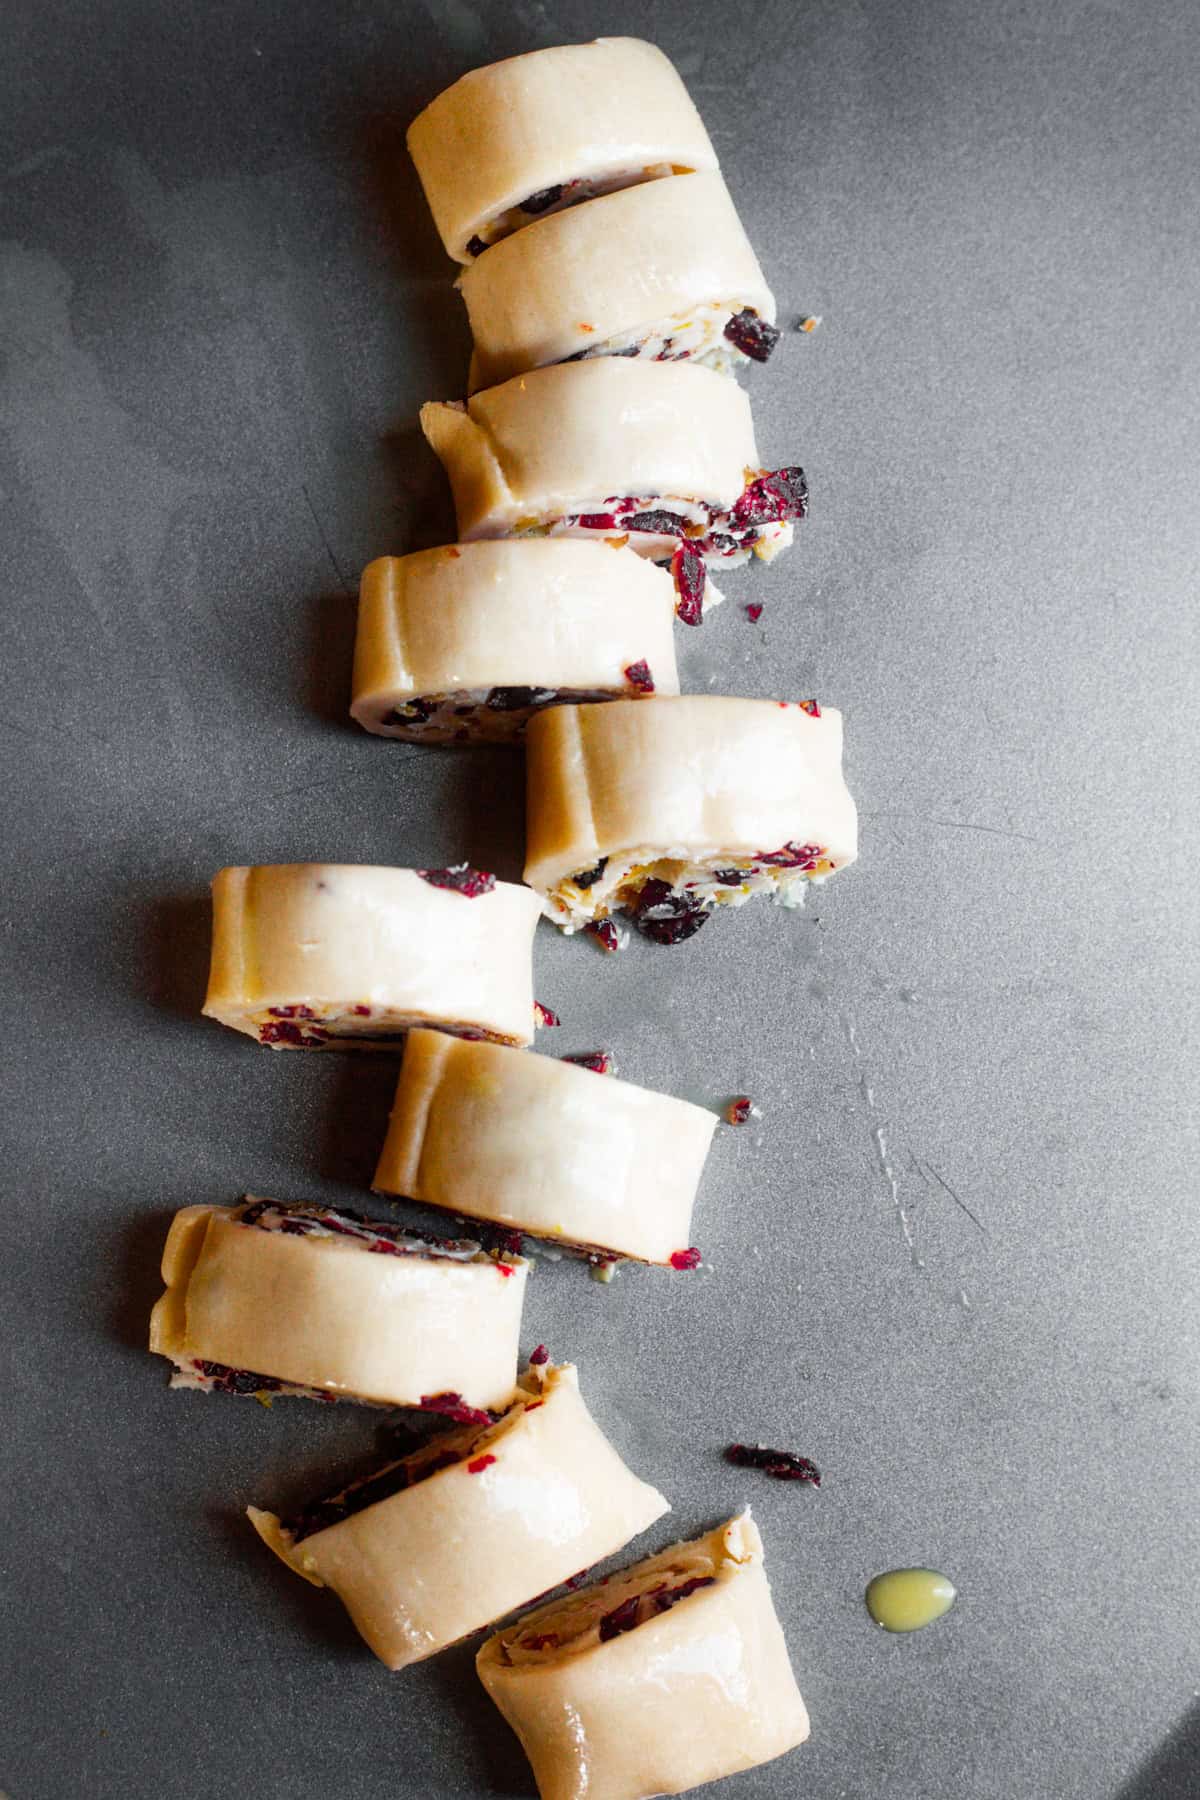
{"x": 907, "y": 1599}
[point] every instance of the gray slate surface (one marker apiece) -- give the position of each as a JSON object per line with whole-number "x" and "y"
{"x": 221, "y": 302}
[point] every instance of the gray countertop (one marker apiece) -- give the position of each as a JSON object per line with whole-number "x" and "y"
{"x": 956, "y": 1262}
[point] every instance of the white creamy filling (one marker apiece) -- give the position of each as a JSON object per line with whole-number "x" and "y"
{"x": 697, "y": 335}
{"x": 571, "y": 907}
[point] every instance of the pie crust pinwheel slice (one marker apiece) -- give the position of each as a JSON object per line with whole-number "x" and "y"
{"x": 264, "y": 1298}
{"x": 545, "y": 1147}
{"x": 657, "y": 456}
{"x": 466, "y": 642}
{"x": 527, "y": 137}
{"x": 670, "y": 1674}
{"x": 663, "y": 271}
{"x": 671, "y": 809}
{"x": 477, "y": 1522}
{"x": 319, "y": 956}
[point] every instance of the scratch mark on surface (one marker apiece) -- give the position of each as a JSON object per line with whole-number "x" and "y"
{"x": 333, "y": 561}
{"x": 958, "y": 1200}
{"x": 1004, "y": 831}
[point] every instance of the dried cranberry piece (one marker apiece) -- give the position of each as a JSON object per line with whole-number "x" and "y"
{"x": 605, "y": 934}
{"x": 731, "y": 877}
{"x": 515, "y": 699}
{"x": 587, "y": 878}
{"x": 236, "y": 1381}
{"x": 600, "y": 1062}
{"x": 476, "y": 246}
{"x": 784, "y": 1465}
{"x": 622, "y": 1618}
{"x": 739, "y": 1110}
{"x": 461, "y": 878}
{"x": 291, "y": 1012}
{"x": 638, "y": 676}
{"x": 772, "y": 498}
{"x": 539, "y": 1356}
{"x": 810, "y": 707}
{"x": 665, "y": 916}
{"x": 662, "y": 524}
{"x": 754, "y": 612}
{"x": 792, "y": 856}
{"x": 284, "y": 1032}
{"x": 687, "y": 568}
{"x": 685, "y": 1259}
{"x": 543, "y": 200}
{"x": 755, "y": 337}
{"x": 479, "y": 1463}
{"x": 664, "y": 1602}
{"x": 598, "y": 521}
{"x": 410, "y": 711}
{"x": 544, "y": 1017}
{"x": 453, "y": 1406}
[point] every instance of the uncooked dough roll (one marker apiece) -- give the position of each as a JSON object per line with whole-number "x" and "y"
{"x": 545, "y": 1147}
{"x": 670, "y": 808}
{"x": 540, "y": 132}
{"x": 658, "y": 1679}
{"x": 324, "y": 956}
{"x": 663, "y": 271}
{"x": 264, "y": 1298}
{"x": 655, "y": 455}
{"x": 467, "y": 641}
{"x": 474, "y": 1524}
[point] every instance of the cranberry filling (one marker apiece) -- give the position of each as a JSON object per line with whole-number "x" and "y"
{"x": 685, "y": 1259}
{"x": 605, "y": 934}
{"x": 772, "y": 498}
{"x": 810, "y": 707}
{"x": 638, "y": 1609}
{"x": 784, "y": 1465}
{"x": 792, "y": 856}
{"x": 598, "y": 521}
{"x": 587, "y": 878}
{"x": 515, "y": 699}
{"x": 665, "y": 916}
{"x": 662, "y": 524}
{"x": 731, "y": 877}
{"x": 687, "y": 568}
{"x": 408, "y": 711}
{"x": 754, "y": 612}
{"x": 600, "y": 1062}
{"x": 374, "y": 1234}
{"x": 284, "y": 1032}
{"x": 539, "y": 1356}
{"x": 318, "y": 1515}
{"x": 461, "y": 878}
{"x": 479, "y": 1463}
{"x": 542, "y": 1016}
{"x": 753, "y": 336}
{"x": 638, "y": 676}
{"x": 453, "y": 1406}
{"x": 225, "y": 1380}
{"x": 738, "y": 1111}
{"x": 543, "y": 200}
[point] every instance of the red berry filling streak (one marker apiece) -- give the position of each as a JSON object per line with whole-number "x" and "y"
{"x": 639, "y": 1609}
{"x": 776, "y": 497}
